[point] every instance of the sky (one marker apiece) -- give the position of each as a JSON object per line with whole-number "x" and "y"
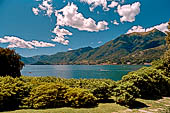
{"x": 44, "y": 27}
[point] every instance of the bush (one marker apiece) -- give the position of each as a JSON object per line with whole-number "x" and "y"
{"x": 100, "y": 88}
{"x": 125, "y": 94}
{"x": 12, "y": 91}
{"x": 47, "y": 95}
{"x": 10, "y": 63}
{"x": 151, "y": 82}
{"x": 77, "y": 97}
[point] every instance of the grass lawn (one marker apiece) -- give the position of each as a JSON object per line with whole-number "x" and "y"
{"x": 150, "y": 106}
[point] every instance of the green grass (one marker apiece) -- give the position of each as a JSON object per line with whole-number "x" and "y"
{"x": 153, "y": 106}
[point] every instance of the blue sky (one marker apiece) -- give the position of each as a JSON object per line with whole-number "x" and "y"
{"x": 36, "y": 27}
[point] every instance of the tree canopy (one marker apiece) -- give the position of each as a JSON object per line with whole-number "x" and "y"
{"x": 10, "y": 63}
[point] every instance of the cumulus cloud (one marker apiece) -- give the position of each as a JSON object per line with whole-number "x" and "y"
{"x": 123, "y": 1}
{"x": 136, "y": 29}
{"x": 129, "y": 12}
{"x": 99, "y": 42}
{"x": 35, "y": 10}
{"x": 115, "y": 22}
{"x": 61, "y": 39}
{"x": 162, "y": 27}
{"x": 69, "y": 16}
{"x": 61, "y": 35}
{"x": 15, "y": 42}
{"x": 94, "y": 3}
{"x": 113, "y": 4}
{"x": 46, "y": 6}
{"x": 70, "y": 49}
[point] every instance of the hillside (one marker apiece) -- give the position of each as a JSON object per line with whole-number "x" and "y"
{"x": 123, "y": 49}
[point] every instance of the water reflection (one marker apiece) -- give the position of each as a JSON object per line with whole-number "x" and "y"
{"x": 114, "y": 72}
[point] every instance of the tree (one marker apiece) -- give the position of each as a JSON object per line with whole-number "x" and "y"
{"x": 10, "y": 63}
{"x": 166, "y": 57}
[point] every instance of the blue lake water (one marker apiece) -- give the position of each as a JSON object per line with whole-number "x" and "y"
{"x": 114, "y": 72}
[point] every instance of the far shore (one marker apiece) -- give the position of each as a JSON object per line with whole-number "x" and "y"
{"x": 147, "y": 64}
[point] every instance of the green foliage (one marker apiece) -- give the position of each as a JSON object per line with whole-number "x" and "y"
{"x": 126, "y": 93}
{"x": 150, "y": 81}
{"x": 46, "y": 95}
{"x": 10, "y": 63}
{"x": 166, "y": 57}
{"x": 100, "y": 88}
{"x": 144, "y": 56}
{"x": 12, "y": 91}
{"x": 78, "y": 97}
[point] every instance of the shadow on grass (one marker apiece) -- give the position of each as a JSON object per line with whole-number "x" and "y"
{"x": 106, "y": 101}
{"x": 152, "y": 98}
{"x": 7, "y": 110}
{"x": 138, "y": 105}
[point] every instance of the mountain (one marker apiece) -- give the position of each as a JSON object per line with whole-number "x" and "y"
{"x": 34, "y": 59}
{"x": 126, "y": 48}
{"x": 144, "y": 56}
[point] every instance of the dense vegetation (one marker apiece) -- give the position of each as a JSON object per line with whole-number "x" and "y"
{"x": 10, "y": 63}
{"x": 136, "y": 48}
{"x": 50, "y": 92}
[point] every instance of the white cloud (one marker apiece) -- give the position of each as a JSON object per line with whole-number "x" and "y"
{"x": 113, "y": 4}
{"x": 61, "y": 32}
{"x": 136, "y": 29}
{"x": 123, "y": 1}
{"x": 35, "y": 10}
{"x": 61, "y": 39}
{"x": 94, "y": 3}
{"x": 70, "y": 49}
{"x": 46, "y": 6}
{"x": 41, "y": 44}
{"x": 42, "y": 7}
{"x": 68, "y": 16}
{"x": 162, "y": 27}
{"x": 20, "y": 43}
{"x": 60, "y": 35}
{"x": 99, "y": 42}
{"x": 129, "y": 12}
{"x": 115, "y": 22}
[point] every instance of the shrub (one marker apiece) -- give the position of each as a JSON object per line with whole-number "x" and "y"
{"x": 10, "y": 63}
{"x": 47, "y": 95}
{"x": 77, "y": 97}
{"x": 12, "y": 91}
{"x": 151, "y": 82}
{"x": 125, "y": 93}
{"x": 100, "y": 88}
{"x": 102, "y": 91}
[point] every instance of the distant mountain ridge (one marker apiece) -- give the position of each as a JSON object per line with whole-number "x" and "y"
{"x": 133, "y": 48}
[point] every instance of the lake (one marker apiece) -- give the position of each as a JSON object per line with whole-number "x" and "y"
{"x": 114, "y": 72}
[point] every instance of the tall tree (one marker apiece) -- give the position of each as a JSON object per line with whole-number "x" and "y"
{"x": 10, "y": 63}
